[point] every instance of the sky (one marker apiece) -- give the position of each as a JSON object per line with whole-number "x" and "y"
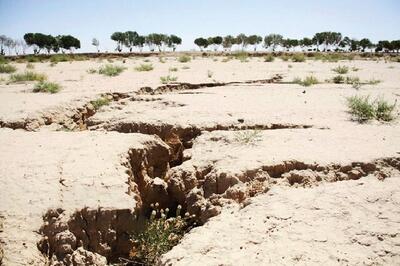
{"x": 189, "y": 19}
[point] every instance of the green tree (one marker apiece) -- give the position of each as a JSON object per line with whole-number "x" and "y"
{"x": 228, "y": 41}
{"x": 365, "y": 43}
{"x": 272, "y": 41}
{"x": 120, "y": 38}
{"x": 173, "y": 41}
{"x": 67, "y": 42}
{"x": 201, "y": 43}
{"x": 130, "y": 39}
{"x": 305, "y": 43}
{"x": 254, "y": 40}
{"x": 242, "y": 40}
{"x": 96, "y": 44}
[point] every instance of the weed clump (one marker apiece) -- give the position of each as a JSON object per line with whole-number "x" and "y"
{"x": 298, "y": 58}
{"x": 98, "y": 103}
{"x": 184, "y": 58}
{"x": 269, "y": 58}
{"x": 27, "y": 76}
{"x": 144, "y": 67}
{"x": 363, "y": 109}
{"x": 248, "y": 136}
{"x": 48, "y": 87}
{"x": 242, "y": 56}
{"x": 341, "y": 69}
{"x": 168, "y": 79}
{"x": 6, "y": 68}
{"x": 173, "y": 69}
{"x": 111, "y": 70}
{"x": 159, "y": 235}
{"x": 59, "y": 58}
{"x": 306, "y": 82}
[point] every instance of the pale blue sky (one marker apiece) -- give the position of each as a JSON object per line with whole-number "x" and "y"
{"x": 86, "y": 19}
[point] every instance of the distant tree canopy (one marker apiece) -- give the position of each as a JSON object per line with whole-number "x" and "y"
{"x": 41, "y": 41}
{"x": 131, "y": 39}
{"x": 201, "y": 43}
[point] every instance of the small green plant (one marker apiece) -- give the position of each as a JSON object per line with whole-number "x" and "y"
{"x": 3, "y": 60}
{"x": 102, "y": 101}
{"x": 111, "y": 70}
{"x": 173, "y": 69}
{"x": 306, "y": 82}
{"x": 184, "y": 58}
{"x": 52, "y": 64}
{"x": 290, "y": 66}
{"x": 59, "y": 58}
{"x": 210, "y": 74}
{"x": 146, "y": 60}
{"x": 161, "y": 232}
{"x": 248, "y": 136}
{"x": 355, "y": 69}
{"x": 298, "y": 58}
{"x": 168, "y": 79}
{"x": 363, "y": 109}
{"x": 49, "y": 87}
{"x": 186, "y": 67}
{"x": 284, "y": 58}
{"x": 27, "y": 76}
{"x": 373, "y": 81}
{"x": 161, "y": 59}
{"x": 144, "y": 67}
{"x": 242, "y": 56}
{"x": 32, "y": 59}
{"x": 339, "y": 79}
{"x": 91, "y": 71}
{"x": 341, "y": 69}
{"x": 29, "y": 66}
{"x": 269, "y": 58}
{"x": 6, "y": 68}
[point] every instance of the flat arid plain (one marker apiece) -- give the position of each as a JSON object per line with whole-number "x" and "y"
{"x": 271, "y": 169}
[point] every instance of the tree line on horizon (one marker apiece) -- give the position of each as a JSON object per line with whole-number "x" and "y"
{"x": 322, "y": 41}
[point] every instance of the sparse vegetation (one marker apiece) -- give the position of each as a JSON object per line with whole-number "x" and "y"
{"x": 173, "y": 69}
{"x": 59, "y": 58}
{"x": 298, "y": 58}
{"x": 186, "y": 67}
{"x": 111, "y": 70}
{"x": 91, "y": 71}
{"x": 242, "y": 56}
{"x": 184, "y": 58}
{"x": 160, "y": 234}
{"x": 7, "y": 68}
{"x": 355, "y": 69}
{"x": 373, "y": 81}
{"x": 248, "y": 136}
{"x": 306, "y": 82}
{"x": 144, "y": 67}
{"x": 341, "y": 69}
{"x": 49, "y": 87}
{"x": 29, "y": 66}
{"x": 168, "y": 79}
{"x": 363, "y": 109}
{"x": 98, "y": 103}
{"x": 27, "y": 76}
{"x": 338, "y": 79}
{"x": 269, "y": 58}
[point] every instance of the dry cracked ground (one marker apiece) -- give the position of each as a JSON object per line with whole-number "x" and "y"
{"x": 276, "y": 173}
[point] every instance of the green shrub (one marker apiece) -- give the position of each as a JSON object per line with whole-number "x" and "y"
{"x": 146, "y": 60}
{"x": 32, "y": 59}
{"x": 284, "y": 58}
{"x": 186, "y": 67}
{"x": 161, "y": 59}
{"x": 248, "y": 136}
{"x": 3, "y": 60}
{"x": 159, "y": 235}
{"x": 298, "y": 58}
{"x": 102, "y": 101}
{"x": 338, "y": 79}
{"x": 184, "y": 58}
{"x": 111, "y": 70}
{"x": 341, "y": 69}
{"x": 49, "y": 87}
{"x": 30, "y": 66}
{"x": 91, "y": 71}
{"x": 173, "y": 69}
{"x": 355, "y": 69}
{"x": 373, "y": 81}
{"x": 27, "y": 76}
{"x": 269, "y": 58}
{"x": 363, "y": 109}
{"x": 144, "y": 67}
{"x": 168, "y": 79}
{"x": 6, "y": 68}
{"x": 59, "y": 58}
{"x": 308, "y": 81}
{"x": 242, "y": 56}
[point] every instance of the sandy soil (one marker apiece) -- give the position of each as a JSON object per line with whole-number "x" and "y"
{"x": 281, "y": 171}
